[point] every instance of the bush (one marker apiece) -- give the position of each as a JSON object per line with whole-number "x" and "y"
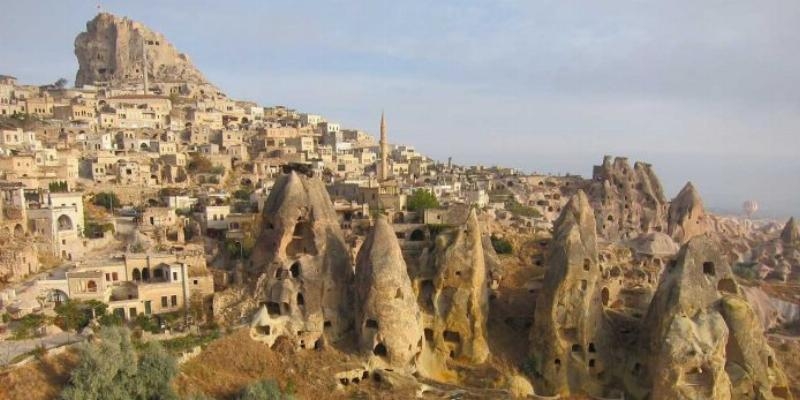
{"x": 421, "y": 199}
{"x": 516, "y": 208}
{"x": 75, "y": 314}
{"x": 147, "y": 323}
{"x": 112, "y": 368}
{"x": 501, "y": 246}
{"x": 97, "y": 230}
{"x": 28, "y": 325}
{"x": 108, "y": 200}
{"x": 266, "y": 389}
{"x": 242, "y": 194}
{"x": 58, "y": 186}
{"x": 199, "y": 164}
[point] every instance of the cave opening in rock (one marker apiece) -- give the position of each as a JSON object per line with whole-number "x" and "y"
{"x": 371, "y": 323}
{"x": 380, "y": 350}
{"x": 708, "y": 268}
{"x": 300, "y": 300}
{"x": 274, "y": 309}
{"x": 452, "y": 337}
{"x": 295, "y": 269}
{"x": 726, "y": 285}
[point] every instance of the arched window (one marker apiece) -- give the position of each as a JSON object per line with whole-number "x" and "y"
{"x": 91, "y": 286}
{"x": 64, "y": 223}
{"x": 137, "y": 276}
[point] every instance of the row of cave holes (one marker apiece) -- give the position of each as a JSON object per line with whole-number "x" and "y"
{"x": 294, "y": 270}
{"x": 266, "y": 330}
{"x": 364, "y": 377}
{"x": 277, "y": 309}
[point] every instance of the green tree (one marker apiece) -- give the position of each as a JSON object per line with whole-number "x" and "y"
{"x": 106, "y": 200}
{"x": 112, "y": 368}
{"x": 421, "y": 199}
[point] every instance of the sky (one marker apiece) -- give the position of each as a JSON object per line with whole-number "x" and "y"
{"x": 706, "y": 91}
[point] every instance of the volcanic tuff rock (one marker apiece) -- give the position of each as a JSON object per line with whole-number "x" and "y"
{"x": 111, "y": 50}
{"x": 388, "y": 319}
{"x": 457, "y": 297}
{"x": 568, "y": 341}
{"x": 627, "y": 201}
{"x": 695, "y": 331}
{"x": 304, "y": 264}
{"x": 687, "y": 217}
{"x": 791, "y": 233}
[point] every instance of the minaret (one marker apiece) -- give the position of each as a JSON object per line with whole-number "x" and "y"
{"x": 384, "y": 171}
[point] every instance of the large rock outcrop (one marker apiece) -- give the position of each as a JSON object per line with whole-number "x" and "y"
{"x": 456, "y": 300}
{"x": 627, "y": 201}
{"x": 111, "y": 50}
{"x": 696, "y": 331}
{"x": 791, "y": 233}
{"x": 687, "y": 216}
{"x": 388, "y": 320}
{"x": 304, "y": 265}
{"x": 568, "y": 338}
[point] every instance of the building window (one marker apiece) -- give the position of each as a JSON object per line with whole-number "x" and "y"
{"x": 91, "y": 286}
{"x": 108, "y": 277}
{"x": 174, "y": 276}
{"x": 174, "y": 299}
{"x": 164, "y": 301}
{"x": 114, "y": 276}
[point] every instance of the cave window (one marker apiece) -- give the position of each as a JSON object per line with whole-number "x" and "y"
{"x": 380, "y": 350}
{"x": 637, "y": 369}
{"x": 726, "y": 285}
{"x": 611, "y": 218}
{"x": 586, "y": 264}
{"x": 708, "y": 268}
{"x": 327, "y": 324}
{"x": 318, "y": 344}
{"x": 591, "y": 363}
{"x": 557, "y": 362}
{"x": 584, "y": 284}
{"x": 264, "y": 330}
{"x": 295, "y": 269}
{"x": 576, "y": 348}
{"x": 274, "y": 309}
{"x": 604, "y": 296}
{"x": 285, "y": 309}
{"x": 591, "y": 348}
{"x": 300, "y": 300}
{"x": 371, "y": 323}
{"x": 429, "y": 334}
{"x": 398, "y": 294}
{"x": 453, "y": 337}
{"x": 279, "y": 273}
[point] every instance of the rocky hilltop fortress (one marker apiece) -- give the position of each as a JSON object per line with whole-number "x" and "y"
{"x": 363, "y": 269}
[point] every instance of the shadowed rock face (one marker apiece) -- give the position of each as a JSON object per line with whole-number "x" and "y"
{"x": 304, "y": 264}
{"x": 696, "y": 331}
{"x": 791, "y": 233}
{"x": 627, "y": 201}
{"x": 459, "y": 295}
{"x": 568, "y": 339}
{"x": 110, "y": 50}
{"x": 388, "y": 319}
{"x": 687, "y": 217}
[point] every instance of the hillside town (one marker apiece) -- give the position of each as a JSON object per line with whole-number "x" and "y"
{"x": 147, "y": 198}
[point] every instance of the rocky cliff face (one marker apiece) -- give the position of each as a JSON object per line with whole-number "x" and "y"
{"x": 627, "y": 201}
{"x": 568, "y": 338}
{"x": 687, "y": 216}
{"x": 111, "y": 50}
{"x": 388, "y": 320}
{"x": 304, "y": 265}
{"x": 702, "y": 338}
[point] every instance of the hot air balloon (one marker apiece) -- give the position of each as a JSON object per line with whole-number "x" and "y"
{"x": 749, "y": 207}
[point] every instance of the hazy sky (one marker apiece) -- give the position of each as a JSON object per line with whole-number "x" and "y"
{"x": 707, "y": 91}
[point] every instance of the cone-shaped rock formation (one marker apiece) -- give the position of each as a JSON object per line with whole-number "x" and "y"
{"x": 687, "y": 217}
{"x": 568, "y": 339}
{"x": 305, "y": 265}
{"x": 388, "y": 319}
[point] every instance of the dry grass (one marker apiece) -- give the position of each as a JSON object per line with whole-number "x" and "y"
{"x": 230, "y": 363}
{"x": 37, "y": 380}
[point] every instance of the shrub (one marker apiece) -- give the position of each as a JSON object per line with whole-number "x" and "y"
{"x": 266, "y": 389}
{"x": 108, "y": 200}
{"x": 28, "y": 325}
{"x": 501, "y": 246}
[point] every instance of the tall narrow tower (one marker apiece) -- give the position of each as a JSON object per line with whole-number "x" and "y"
{"x": 384, "y": 171}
